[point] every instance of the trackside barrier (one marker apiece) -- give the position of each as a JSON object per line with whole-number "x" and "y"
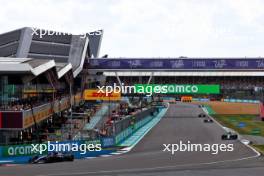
{"x": 123, "y": 124}
{"x": 201, "y": 99}
{"x": 228, "y": 100}
{"x": 145, "y": 118}
{"x": 108, "y": 142}
{"x": 240, "y": 101}
{"x": 27, "y": 149}
{"x": 127, "y": 132}
{"x": 19, "y": 150}
{"x": 22, "y": 153}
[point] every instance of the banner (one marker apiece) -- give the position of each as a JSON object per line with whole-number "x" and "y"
{"x": 108, "y": 142}
{"x": 240, "y": 101}
{"x": 19, "y": 150}
{"x": 178, "y": 88}
{"x": 95, "y": 94}
{"x": 50, "y": 146}
{"x": 178, "y": 63}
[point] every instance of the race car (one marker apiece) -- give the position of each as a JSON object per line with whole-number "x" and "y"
{"x": 246, "y": 142}
{"x": 229, "y": 136}
{"x": 52, "y": 158}
{"x": 208, "y": 120}
{"x": 201, "y": 115}
{"x": 177, "y": 99}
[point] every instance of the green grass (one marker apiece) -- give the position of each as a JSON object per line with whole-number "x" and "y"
{"x": 253, "y": 126}
{"x": 209, "y": 110}
{"x": 260, "y": 148}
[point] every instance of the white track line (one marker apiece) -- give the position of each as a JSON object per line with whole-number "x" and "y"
{"x": 148, "y": 169}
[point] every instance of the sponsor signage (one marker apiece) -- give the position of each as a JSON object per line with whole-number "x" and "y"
{"x": 241, "y": 125}
{"x": 240, "y": 101}
{"x": 94, "y": 142}
{"x": 178, "y": 88}
{"x": 95, "y": 94}
{"x": 186, "y": 99}
{"x": 178, "y": 63}
{"x": 108, "y": 142}
{"x": 45, "y": 148}
{"x": 19, "y": 150}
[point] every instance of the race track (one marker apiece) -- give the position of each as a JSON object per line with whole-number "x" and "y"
{"x": 147, "y": 158}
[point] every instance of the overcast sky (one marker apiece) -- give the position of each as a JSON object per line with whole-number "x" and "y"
{"x": 150, "y": 28}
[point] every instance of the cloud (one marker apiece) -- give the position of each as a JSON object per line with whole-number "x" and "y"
{"x": 150, "y": 28}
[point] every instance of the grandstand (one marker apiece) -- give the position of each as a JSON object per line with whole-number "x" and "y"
{"x": 237, "y": 87}
{"x": 240, "y": 78}
{"x": 41, "y": 76}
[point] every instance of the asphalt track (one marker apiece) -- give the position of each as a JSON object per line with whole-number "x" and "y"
{"x": 147, "y": 158}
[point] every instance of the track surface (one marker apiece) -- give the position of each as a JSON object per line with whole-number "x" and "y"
{"x": 147, "y": 158}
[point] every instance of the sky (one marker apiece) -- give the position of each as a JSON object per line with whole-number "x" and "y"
{"x": 150, "y": 28}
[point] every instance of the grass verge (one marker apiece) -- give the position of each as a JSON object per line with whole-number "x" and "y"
{"x": 243, "y": 124}
{"x": 260, "y": 148}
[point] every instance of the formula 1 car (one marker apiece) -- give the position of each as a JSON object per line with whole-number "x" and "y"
{"x": 208, "y": 120}
{"x": 229, "y": 136}
{"x": 52, "y": 158}
{"x": 177, "y": 99}
{"x": 201, "y": 115}
{"x": 246, "y": 142}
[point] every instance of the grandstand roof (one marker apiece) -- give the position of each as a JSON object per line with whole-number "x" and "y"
{"x": 25, "y": 65}
{"x": 31, "y": 50}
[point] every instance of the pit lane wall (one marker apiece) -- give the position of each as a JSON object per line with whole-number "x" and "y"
{"x": 129, "y": 125}
{"x": 22, "y": 153}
